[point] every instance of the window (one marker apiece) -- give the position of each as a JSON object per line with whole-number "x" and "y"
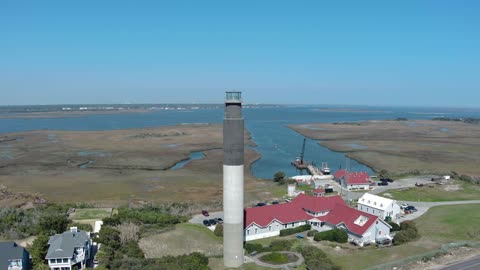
{"x": 52, "y": 260}
{"x": 269, "y": 228}
{"x": 256, "y": 230}
{"x": 65, "y": 260}
{"x": 59, "y": 260}
{"x": 248, "y": 232}
{"x": 285, "y": 226}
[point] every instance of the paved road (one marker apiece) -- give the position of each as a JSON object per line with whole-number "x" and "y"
{"x": 198, "y": 219}
{"x": 423, "y": 207}
{"x": 470, "y": 264}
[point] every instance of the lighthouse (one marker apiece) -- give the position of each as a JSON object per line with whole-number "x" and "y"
{"x": 233, "y": 168}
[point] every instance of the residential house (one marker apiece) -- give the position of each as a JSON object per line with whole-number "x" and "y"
{"x": 323, "y": 213}
{"x": 379, "y": 206}
{"x": 352, "y": 180}
{"x": 68, "y": 249}
{"x": 13, "y": 257}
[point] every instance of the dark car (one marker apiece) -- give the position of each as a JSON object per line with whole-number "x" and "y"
{"x": 219, "y": 220}
{"x": 410, "y": 208}
{"x": 383, "y": 242}
{"x": 212, "y": 221}
{"x": 386, "y": 180}
{"x": 206, "y": 222}
{"x": 275, "y": 202}
{"x": 382, "y": 183}
{"x": 205, "y": 213}
{"x": 260, "y": 204}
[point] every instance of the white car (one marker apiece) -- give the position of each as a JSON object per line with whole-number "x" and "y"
{"x": 403, "y": 205}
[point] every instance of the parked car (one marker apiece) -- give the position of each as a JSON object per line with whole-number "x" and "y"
{"x": 410, "y": 208}
{"x": 382, "y": 183}
{"x": 403, "y": 205}
{"x": 206, "y": 222}
{"x": 383, "y": 242}
{"x": 275, "y": 202}
{"x": 212, "y": 221}
{"x": 387, "y": 180}
{"x": 219, "y": 220}
{"x": 205, "y": 213}
{"x": 260, "y": 204}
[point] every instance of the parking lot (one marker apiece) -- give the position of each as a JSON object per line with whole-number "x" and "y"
{"x": 199, "y": 218}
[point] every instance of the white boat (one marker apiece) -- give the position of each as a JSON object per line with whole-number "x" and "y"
{"x": 325, "y": 169}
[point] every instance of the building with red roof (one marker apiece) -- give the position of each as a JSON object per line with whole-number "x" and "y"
{"x": 322, "y": 213}
{"x": 352, "y": 180}
{"x": 319, "y": 192}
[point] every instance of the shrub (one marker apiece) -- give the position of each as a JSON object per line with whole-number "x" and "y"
{"x": 316, "y": 259}
{"x": 275, "y": 258}
{"x": 218, "y": 230}
{"x": 278, "y": 176}
{"x": 250, "y": 247}
{"x": 408, "y": 232}
{"x": 311, "y": 233}
{"x": 299, "y": 229}
{"x": 281, "y": 245}
{"x": 335, "y": 235}
{"x": 400, "y": 238}
{"x": 395, "y": 226}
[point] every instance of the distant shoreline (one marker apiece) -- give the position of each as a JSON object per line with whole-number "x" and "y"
{"x": 66, "y": 114}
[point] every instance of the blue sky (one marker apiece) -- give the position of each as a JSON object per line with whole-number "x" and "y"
{"x": 423, "y": 53}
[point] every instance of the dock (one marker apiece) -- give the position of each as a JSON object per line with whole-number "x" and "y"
{"x": 314, "y": 170}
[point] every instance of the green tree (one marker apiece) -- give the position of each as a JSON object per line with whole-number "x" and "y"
{"x": 279, "y": 176}
{"x": 218, "y": 230}
{"x": 83, "y": 227}
{"x": 53, "y": 223}
{"x": 39, "y": 249}
{"x": 41, "y": 266}
{"x": 109, "y": 237}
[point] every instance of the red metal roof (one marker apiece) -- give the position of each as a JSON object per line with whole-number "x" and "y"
{"x": 339, "y": 174}
{"x": 264, "y": 215}
{"x": 295, "y": 211}
{"x": 347, "y": 215}
{"x": 353, "y": 178}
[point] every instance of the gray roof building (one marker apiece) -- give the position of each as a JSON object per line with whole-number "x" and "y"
{"x": 63, "y": 245}
{"x": 10, "y": 251}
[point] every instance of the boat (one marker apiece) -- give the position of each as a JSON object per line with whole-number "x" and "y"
{"x": 325, "y": 169}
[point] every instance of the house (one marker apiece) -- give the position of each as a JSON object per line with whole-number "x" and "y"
{"x": 379, "y": 206}
{"x": 319, "y": 192}
{"x": 323, "y": 213}
{"x": 352, "y": 180}
{"x": 68, "y": 249}
{"x": 13, "y": 257}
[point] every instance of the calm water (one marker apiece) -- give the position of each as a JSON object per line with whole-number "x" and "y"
{"x": 277, "y": 144}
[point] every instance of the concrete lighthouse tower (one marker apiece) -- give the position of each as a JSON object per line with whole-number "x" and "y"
{"x": 233, "y": 180}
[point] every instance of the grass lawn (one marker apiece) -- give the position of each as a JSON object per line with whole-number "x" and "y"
{"x": 459, "y": 191}
{"x": 183, "y": 239}
{"x": 91, "y": 213}
{"x": 451, "y": 223}
{"x": 440, "y": 225}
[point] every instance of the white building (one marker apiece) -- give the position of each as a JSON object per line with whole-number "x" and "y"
{"x": 68, "y": 249}
{"x": 323, "y": 213}
{"x": 379, "y": 206}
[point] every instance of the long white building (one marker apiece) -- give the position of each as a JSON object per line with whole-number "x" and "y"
{"x": 379, "y": 206}
{"x": 323, "y": 213}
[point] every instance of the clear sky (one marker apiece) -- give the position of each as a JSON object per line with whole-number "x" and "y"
{"x": 293, "y": 52}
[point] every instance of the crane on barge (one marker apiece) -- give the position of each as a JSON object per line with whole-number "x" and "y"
{"x": 299, "y": 163}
